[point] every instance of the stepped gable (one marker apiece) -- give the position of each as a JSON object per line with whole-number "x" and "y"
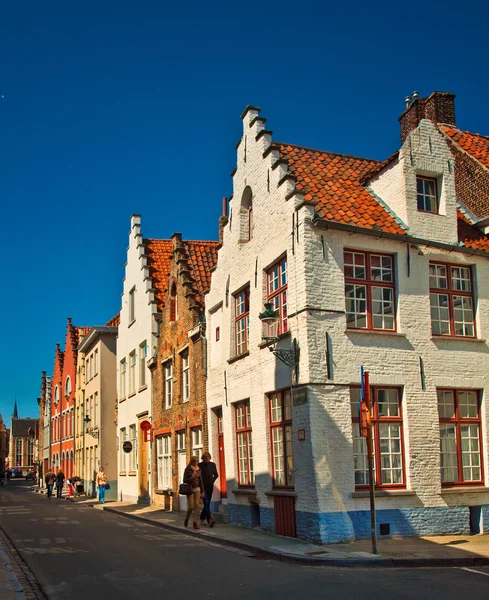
{"x": 114, "y": 322}
{"x": 202, "y": 257}
{"x": 158, "y": 254}
{"x": 332, "y": 182}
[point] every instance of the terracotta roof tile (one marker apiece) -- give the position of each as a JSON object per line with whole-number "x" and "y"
{"x": 114, "y": 322}
{"x": 159, "y": 254}
{"x": 470, "y": 236}
{"x": 202, "y": 258}
{"x": 474, "y": 144}
{"x": 333, "y": 183}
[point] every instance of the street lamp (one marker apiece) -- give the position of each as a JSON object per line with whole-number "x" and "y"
{"x": 290, "y": 357}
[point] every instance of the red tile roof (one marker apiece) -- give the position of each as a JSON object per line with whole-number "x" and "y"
{"x": 114, "y": 322}
{"x": 202, "y": 258}
{"x": 474, "y": 144}
{"x": 470, "y": 236}
{"x": 333, "y": 183}
{"x": 159, "y": 254}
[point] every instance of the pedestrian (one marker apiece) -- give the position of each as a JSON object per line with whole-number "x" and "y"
{"x": 50, "y": 479}
{"x": 193, "y": 477}
{"x": 209, "y": 475}
{"x": 60, "y": 479}
{"x": 101, "y": 483}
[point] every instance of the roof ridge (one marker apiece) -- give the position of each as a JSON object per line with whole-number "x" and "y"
{"x": 327, "y": 152}
{"x": 461, "y": 149}
{"x": 486, "y": 137}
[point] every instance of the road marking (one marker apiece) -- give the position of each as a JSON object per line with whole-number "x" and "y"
{"x": 474, "y": 571}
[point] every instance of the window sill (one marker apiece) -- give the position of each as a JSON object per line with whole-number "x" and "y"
{"x": 132, "y": 473}
{"x": 122, "y": 400}
{"x": 288, "y": 493}
{"x": 267, "y": 343}
{"x": 142, "y": 388}
{"x": 131, "y": 323}
{"x": 244, "y": 491}
{"x": 375, "y": 332}
{"x": 456, "y": 338}
{"x": 465, "y": 490}
{"x": 131, "y": 395}
{"x": 383, "y": 493}
{"x": 239, "y": 357}
{"x": 164, "y": 492}
{"x": 122, "y": 474}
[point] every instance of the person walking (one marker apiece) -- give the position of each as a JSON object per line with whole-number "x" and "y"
{"x": 50, "y": 479}
{"x": 193, "y": 476}
{"x": 101, "y": 483}
{"x": 60, "y": 479}
{"x": 209, "y": 475}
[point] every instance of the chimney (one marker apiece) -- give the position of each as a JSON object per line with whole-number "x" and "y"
{"x": 439, "y": 107}
{"x": 177, "y": 240}
{"x": 223, "y": 219}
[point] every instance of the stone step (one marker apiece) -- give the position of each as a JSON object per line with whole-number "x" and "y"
{"x": 220, "y": 518}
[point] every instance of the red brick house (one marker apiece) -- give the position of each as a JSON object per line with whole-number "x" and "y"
{"x": 179, "y": 370}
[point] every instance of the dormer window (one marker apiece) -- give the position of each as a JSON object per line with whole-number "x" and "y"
{"x": 427, "y": 194}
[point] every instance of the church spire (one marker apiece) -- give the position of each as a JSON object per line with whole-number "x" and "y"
{"x": 16, "y": 412}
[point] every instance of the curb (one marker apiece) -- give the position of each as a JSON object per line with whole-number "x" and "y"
{"x": 263, "y": 553}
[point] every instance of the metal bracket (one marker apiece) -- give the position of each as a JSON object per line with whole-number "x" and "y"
{"x": 287, "y": 357}
{"x": 93, "y": 432}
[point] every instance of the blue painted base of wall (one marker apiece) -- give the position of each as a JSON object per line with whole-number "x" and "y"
{"x": 327, "y": 528}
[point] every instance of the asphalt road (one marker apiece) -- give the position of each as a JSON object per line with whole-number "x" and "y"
{"x": 78, "y": 552}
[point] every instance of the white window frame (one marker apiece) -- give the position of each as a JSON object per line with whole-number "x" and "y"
{"x": 122, "y": 439}
{"x": 122, "y": 381}
{"x": 185, "y": 376}
{"x": 133, "y": 440}
{"x": 164, "y": 458}
{"x": 132, "y": 372}
{"x": 143, "y": 353}
{"x": 132, "y": 305}
{"x": 168, "y": 373}
{"x": 95, "y": 365}
{"x": 197, "y": 444}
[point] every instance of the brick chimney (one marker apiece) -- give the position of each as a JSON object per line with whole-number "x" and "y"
{"x": 438, "y": 107}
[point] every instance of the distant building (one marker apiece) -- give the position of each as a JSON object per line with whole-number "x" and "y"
{"x": 22, "y": 443}
{"x": 4, "y": 444}
{"x": 44, "y": 439}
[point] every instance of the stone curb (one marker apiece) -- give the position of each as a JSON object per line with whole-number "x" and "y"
{"x": 373, "y": 563}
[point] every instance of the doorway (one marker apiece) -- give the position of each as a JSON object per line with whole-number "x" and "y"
{"x": 182, "y": 464}
{"x": 143, "y": 479}
{"x": 222, "y": 459}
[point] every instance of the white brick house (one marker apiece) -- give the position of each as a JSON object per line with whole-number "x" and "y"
{"x": 376, "y": 264}
{"x": 146, "y": 273}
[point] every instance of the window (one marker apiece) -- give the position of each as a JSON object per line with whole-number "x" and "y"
{"x": 132, "y": 454}
{"x": 197, "y": 441}
{"x": 246, "y": 476}
{"x": 67, "y": 387}
{"x": 30, "y": 453}
{"x": 460, "y": 436}
{"x": 18, "y": 452}
{"x": 122, "y": 454}
{"x": 132, "y": 372}
{"x": 185, "y": 377}
{"x": 122, "y": 383}
{"x": 95, "y": 363}
{"x": 277, "y": 295}
{"x": 281, "y": 439}
{"x": 369, "y": 290}
{"x": 95, "y": 410}
{"x": 181, "y": 441}
{"x": 132, "y": 305}
{"x": 56, "y": 395}
{"x": 173, "y": 303}
{"x": 87, "y": 370}
{"x": 427, "y": 194}
{"x": 387, "y": 438}
{"x": 218, "y": 334}
{"x": 246, "y": 214}
{"x": 451, "y": 300}
{"x": 242, "y": 321}
{"x": 164, "y": 462}
{"x": 167, "y": 367}
{"x": 143, "y": 355}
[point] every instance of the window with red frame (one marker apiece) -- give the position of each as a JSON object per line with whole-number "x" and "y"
{"x": 277, "y": 295}
{"x": 244, "y": 442}
{"x": 242, "y": 321}
{"x": 451, "y": 300}
{"x": 460, "y": 436}
{"x": 281, "y": 439}
{"x": 369, "y": 290}
{"x": 387, "y": 438}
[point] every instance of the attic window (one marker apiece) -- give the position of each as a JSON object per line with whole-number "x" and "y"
{"x": 427, "y": 194}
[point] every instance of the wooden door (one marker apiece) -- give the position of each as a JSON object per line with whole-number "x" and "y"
{"x": 143, "y": 478}
{"x": 285, "y": 515}
{"x": 222, "y": 460}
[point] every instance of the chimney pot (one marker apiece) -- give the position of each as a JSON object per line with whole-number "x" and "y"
{"x": 415, "y": 96}
{"x": 407, "y": 101}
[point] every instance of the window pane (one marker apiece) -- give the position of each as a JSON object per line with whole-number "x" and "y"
{"x": 468, "y": 405}
{"x": 383, "y": 308}
{"x": 354, "y": 400}
{"x": 463, "y": 315}
{"x": 381, "y": 268}
{"x": 448, "y": 453}
{"x": 461, "y": 279}
{"x": 388, "y": 403}
{"x": 289, "y": 455}
{"x": 440, "y": 314}
{"x": 354, "y": 265}
{"x": 356, "y": 305}
{"x": 446, "y": 406}
{"x": 278, "y": 455}
{"x": 390, "y": 451}
{"x": 275, "y": 408}
{"x": 471, "y": 468}
{"x": 438, "y": 276}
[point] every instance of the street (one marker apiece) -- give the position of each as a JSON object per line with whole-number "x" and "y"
{"x": 76, "y": 551}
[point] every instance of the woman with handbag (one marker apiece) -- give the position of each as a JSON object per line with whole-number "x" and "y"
{"x": 101, "y": 484}
{"x": 192, "y": 476}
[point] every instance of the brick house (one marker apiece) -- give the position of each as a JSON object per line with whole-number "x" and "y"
{"x": 179, "y": 369}
{"x": 44, "y": 439}
{"x": 145, "y": 282}
{"x": 22, "y": 443}
{"x": 63, "y": 401}
{"x": 367, "y": 263}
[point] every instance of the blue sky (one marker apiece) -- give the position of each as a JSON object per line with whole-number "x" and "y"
{"x": 110, "y": 108}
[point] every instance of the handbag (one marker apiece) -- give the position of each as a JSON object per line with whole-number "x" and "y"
{"x": 107, "y": 486}
{"x": 184, "y": 489}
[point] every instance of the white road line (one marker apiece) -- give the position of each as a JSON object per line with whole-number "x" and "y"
{"x": 474, "y": 571}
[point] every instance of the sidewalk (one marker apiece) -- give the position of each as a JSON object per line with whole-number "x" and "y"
{"x": 443, "y": 551}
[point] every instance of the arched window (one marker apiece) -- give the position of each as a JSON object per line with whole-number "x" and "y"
{"x": 68, "y": 387}
{"x": 246, "y": 213}
{"x": 173, "y": 302}
{"x": 56, "y": 395}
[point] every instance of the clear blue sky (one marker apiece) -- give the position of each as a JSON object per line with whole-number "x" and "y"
{"x": 116, "y": 107}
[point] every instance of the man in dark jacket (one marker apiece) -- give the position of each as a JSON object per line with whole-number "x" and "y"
{"x": 50, "y": 479}
{"x": 209, "y": 475}
{"x": 60, "y": 479}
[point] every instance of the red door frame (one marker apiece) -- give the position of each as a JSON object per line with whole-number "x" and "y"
{"x": 222, "y": 460}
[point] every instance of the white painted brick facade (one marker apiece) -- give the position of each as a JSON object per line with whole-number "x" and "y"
{"x": 324, "y": 462}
